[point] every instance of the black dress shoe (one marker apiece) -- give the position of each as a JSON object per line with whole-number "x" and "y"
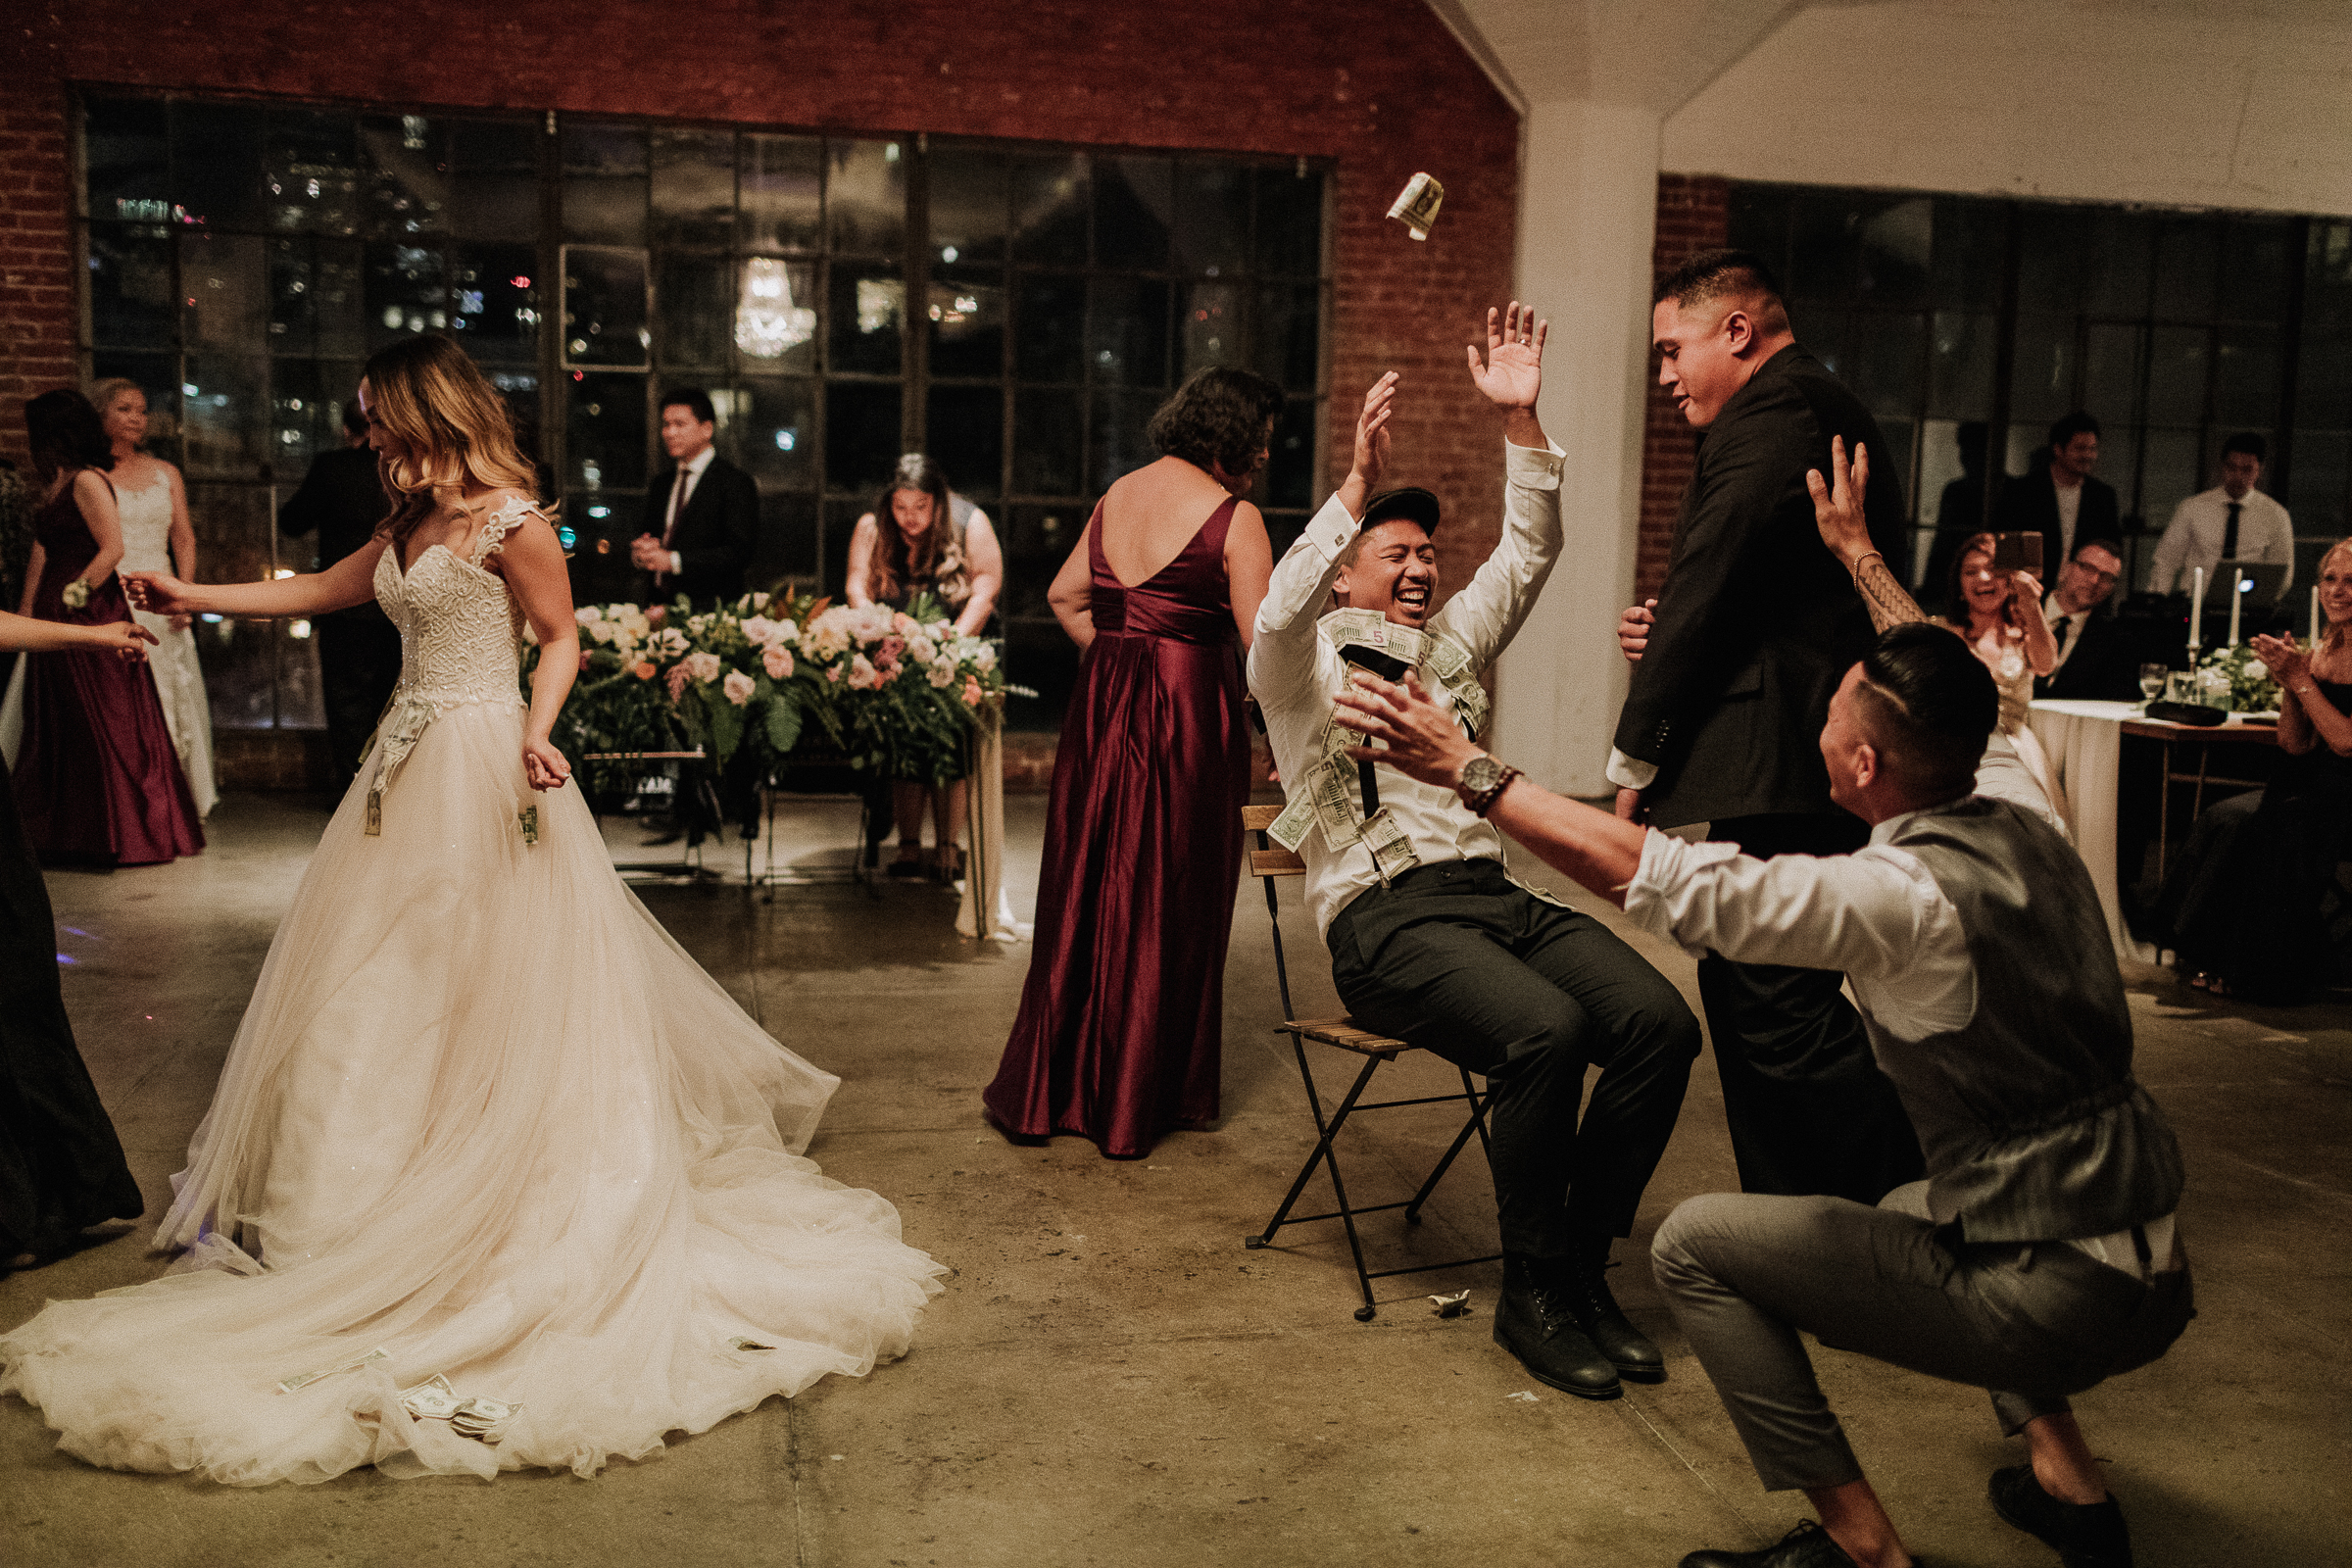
{"x": 1536, "y": 1323}
{"x": 2085, "y": 1535}
{"x": 1628, "y": 1351}
{"x": 1808, "y": 1545}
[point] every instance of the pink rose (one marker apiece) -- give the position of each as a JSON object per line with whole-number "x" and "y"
{"x": 834, "y": 675}
{"x": 677, "y": 678}
{"x": 656, "y": 614}
{"x": 737, "y": 686}
{"x": 583, "y": 661}
{"x": 777, "y": 660}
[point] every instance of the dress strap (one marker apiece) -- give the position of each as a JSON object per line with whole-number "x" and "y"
{"x": 504, "y": 521}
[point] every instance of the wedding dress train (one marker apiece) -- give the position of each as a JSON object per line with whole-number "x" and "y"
{"x": 485, "y": 1115}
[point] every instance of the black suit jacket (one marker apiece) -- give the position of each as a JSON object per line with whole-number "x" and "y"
{"x": 1757, "y": 623}
{"x": 2104, "y": 665}
{"x": 716, "y": 537}
{"x": 2028, "y": 504}
{"x": 343, "y": 499}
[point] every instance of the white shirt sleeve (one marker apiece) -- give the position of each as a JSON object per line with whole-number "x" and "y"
{"x": 2171, "y": 551}
{"x": 1630, "y": 773}
{"x": 1282, "y": 654}
{"x": 1876, "y": 914}
{"x": 1487, "y": 614}
{"x": 2279, "y": 544}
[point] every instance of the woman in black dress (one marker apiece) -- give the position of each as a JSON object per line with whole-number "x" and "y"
{"x": 2243, "y": 905}
{"x": 61, "y": 1165}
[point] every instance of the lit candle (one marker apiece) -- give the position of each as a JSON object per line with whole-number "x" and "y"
{"x": 2196, "y": 611}
{"x": 2236, "y": 597}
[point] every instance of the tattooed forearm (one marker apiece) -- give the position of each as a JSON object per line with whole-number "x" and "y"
{"x": 1889, "y": 604}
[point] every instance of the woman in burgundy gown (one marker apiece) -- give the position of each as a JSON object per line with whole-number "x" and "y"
{"x": 1121, "y": 1024}
{"x": 98, "y": 781}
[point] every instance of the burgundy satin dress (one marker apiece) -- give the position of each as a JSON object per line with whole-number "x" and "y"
{"x": 98, "y": 782}
{"x": 1120, "y": 1032}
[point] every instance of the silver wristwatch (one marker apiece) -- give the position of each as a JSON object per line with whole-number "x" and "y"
{"x": 1482, "y": 781}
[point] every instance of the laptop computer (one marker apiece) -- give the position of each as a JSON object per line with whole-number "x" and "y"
{"x": 2259, "y": 582}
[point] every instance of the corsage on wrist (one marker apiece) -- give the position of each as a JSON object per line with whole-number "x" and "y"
{"x": 76, "y": 594}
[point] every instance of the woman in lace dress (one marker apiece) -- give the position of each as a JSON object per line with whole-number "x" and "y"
{"x": 157, "y": 537}
{"x": 484, "y": 1120}
{"x": 1999, "y": 615}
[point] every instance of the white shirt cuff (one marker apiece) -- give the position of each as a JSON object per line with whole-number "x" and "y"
{"x": 1331, "y": 529}
{"x": 1533, "y": 468}
{"x": 678, "y": 564}
{"x": 1630, "y": 773}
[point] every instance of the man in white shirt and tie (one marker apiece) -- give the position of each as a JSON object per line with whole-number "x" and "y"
{"x": 2231, "y": 521}
{"x": 702, "y": 517}
{"x": 1432, "y": 941}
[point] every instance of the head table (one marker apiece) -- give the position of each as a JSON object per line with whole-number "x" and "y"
{"x": 2085, "y": 741}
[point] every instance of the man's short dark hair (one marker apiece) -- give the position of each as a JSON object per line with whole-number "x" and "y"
{"x": 1711, "y": 274}
{"x": 2071, "y": 425}
{"x": 2249, "y": 442}
{"x": 2113, "y": 547}
{"x": 1219, "y": 417}
{"x": 694, "y": 400}
{"x": 1928, "y": 703}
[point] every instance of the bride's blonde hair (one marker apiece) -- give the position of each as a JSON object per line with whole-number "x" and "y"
{"x": 450, "y": 423}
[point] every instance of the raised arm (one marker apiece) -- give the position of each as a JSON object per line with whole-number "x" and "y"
{"x": 349, "y": 581}
{"x": 2306, "y": 718}
{"x": 1282, "y": 653}
{"x": 984, "y": 562}
{"x": 858, "y": 572}
{"x": 1488, "y": 611}
{"x": 1837, "y": 514}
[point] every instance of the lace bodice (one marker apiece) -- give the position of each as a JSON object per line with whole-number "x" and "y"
{"x": 459, "y": 625}
{"x": 146, "y": 524}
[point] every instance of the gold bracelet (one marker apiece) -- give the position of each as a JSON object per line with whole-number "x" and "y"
{"x": 1865, "y": 555}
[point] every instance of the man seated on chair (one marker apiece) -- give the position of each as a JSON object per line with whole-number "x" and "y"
{"x": 2038, "y": 1257}
{"x": 1432, "y": 941}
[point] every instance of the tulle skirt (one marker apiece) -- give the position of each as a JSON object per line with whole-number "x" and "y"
{"x": 485, "y": 1115}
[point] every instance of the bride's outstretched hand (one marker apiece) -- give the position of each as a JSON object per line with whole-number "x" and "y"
{"x": 158, "y": 593}
{"x": 544, "y": 767}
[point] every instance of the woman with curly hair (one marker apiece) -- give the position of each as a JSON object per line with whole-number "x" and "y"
{"x": 1998, "y": 614}
{"x": 1120, "y": 1029}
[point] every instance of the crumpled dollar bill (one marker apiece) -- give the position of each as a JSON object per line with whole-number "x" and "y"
{"x": 303, "y": 1380}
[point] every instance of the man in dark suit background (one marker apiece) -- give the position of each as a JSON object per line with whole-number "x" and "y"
{"x": 2095, "y": 658}
{"x": 1752, "y": 630}
{"x": 2059, "y": 499}
{"x": 343, "y": 499}
{"x": 702, "y": 513}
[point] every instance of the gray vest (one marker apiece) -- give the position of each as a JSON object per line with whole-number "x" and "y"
{"x": 2031, "y": 1123}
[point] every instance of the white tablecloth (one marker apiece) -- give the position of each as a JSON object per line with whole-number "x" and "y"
{"x": 2085, "y": 742}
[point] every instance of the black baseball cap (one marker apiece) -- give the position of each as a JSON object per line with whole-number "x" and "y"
{"x": 1412, "y": 504}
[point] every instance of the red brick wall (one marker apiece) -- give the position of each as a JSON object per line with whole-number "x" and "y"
{"x": 1378, "y": 85}
{"x": 1693, "y": 214}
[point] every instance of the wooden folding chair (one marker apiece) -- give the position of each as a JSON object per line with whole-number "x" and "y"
{"x": 1269, "y": 861}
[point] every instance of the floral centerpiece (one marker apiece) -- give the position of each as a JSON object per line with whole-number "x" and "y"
{"x": 2249, "y": 687}
{"x": 897, "y": 692}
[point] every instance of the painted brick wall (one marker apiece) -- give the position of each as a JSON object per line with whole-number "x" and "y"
{"x": 1693, "y": 214}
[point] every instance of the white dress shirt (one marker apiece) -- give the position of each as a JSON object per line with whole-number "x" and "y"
{"x": 1877, "y": 914}
{"x": 2069, "y": 507}
{"x": 1294, "y": 673}
{"x": 2193, "y": 538}
{"x": 681, "y": 491}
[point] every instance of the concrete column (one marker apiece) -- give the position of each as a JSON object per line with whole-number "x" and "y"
{"x": 1588, "y": 209}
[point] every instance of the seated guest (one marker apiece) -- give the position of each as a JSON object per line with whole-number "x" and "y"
{"x": 702, "y": 513}
{"x": 2094, "y": 659}
{"x": 2231, "y": 521}
{"x": 1431, "y": 940}
{"x": 937, "y": 546}
{"x": 1998, "y": 613}
{"x": 2057, "y": 498}
{"x": 2038, "y": 1257}
{"x": 2242, "y": 904}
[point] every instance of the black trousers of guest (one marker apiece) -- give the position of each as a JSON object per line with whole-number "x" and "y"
{"x": 358, "y": 664}
{"x": 1808, "y": 1109}
{"x": 1458, "y": 960}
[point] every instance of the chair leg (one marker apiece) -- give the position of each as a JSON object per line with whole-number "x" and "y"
{"x": 1324, "y": 1156}
{"x": 1476, "y": 1122}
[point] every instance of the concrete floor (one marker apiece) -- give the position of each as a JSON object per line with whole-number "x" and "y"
{"x": 1112, "y": 1379}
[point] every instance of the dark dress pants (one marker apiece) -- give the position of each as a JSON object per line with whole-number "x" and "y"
{"x": 1808, "y": 1109}
{"x": 1458, "y": 960}
{"x": 358, "y": 664}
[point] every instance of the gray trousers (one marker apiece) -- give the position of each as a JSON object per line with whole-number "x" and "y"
{"x": 1745, "y": 1273}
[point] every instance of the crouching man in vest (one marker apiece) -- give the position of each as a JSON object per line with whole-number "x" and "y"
{"x": 2039, "y": 1256}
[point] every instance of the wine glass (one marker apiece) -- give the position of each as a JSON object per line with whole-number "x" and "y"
{"x": 2151, "y": 681}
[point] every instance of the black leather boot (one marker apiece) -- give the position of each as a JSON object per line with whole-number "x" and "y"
{"x": 1628, "y": 1351}
{"x": 1536, "y": 1323}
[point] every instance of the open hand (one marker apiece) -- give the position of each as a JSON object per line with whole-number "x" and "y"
{"x": 159, "y": 593}
{"x": 1423, "y": 741}
{"x": 1633, "y": 630}
{"x": 1837, "y": 502}
{"x": 1512, "y": 374}
{"x": 1372, "y": 431}
{"x": 2289, "y": 665}
{"x": 544, "y": 767}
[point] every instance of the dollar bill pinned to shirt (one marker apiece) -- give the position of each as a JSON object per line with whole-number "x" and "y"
{"x": 1391, "y": 848}
{"x": 303, "y": 1380}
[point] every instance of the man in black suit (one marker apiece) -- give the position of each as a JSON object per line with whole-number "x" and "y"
{"x": 2059, "y": 500}
{"x": 359, "y": 649}
{"x": 1753, "y": 628}
{"x": 2095, "y": 658}
{"x": 702, "y": 513}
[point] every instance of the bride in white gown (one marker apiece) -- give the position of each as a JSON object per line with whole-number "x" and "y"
{"x": 157, "y": 537}
{"x": 482, "y": 1115}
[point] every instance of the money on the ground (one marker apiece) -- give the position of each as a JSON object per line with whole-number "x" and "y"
{"x": 303, "y": 1380}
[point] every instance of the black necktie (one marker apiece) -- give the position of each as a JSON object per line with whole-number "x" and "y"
{"x": 2066, "y": 632}
{"x": 2229, "y": 534}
